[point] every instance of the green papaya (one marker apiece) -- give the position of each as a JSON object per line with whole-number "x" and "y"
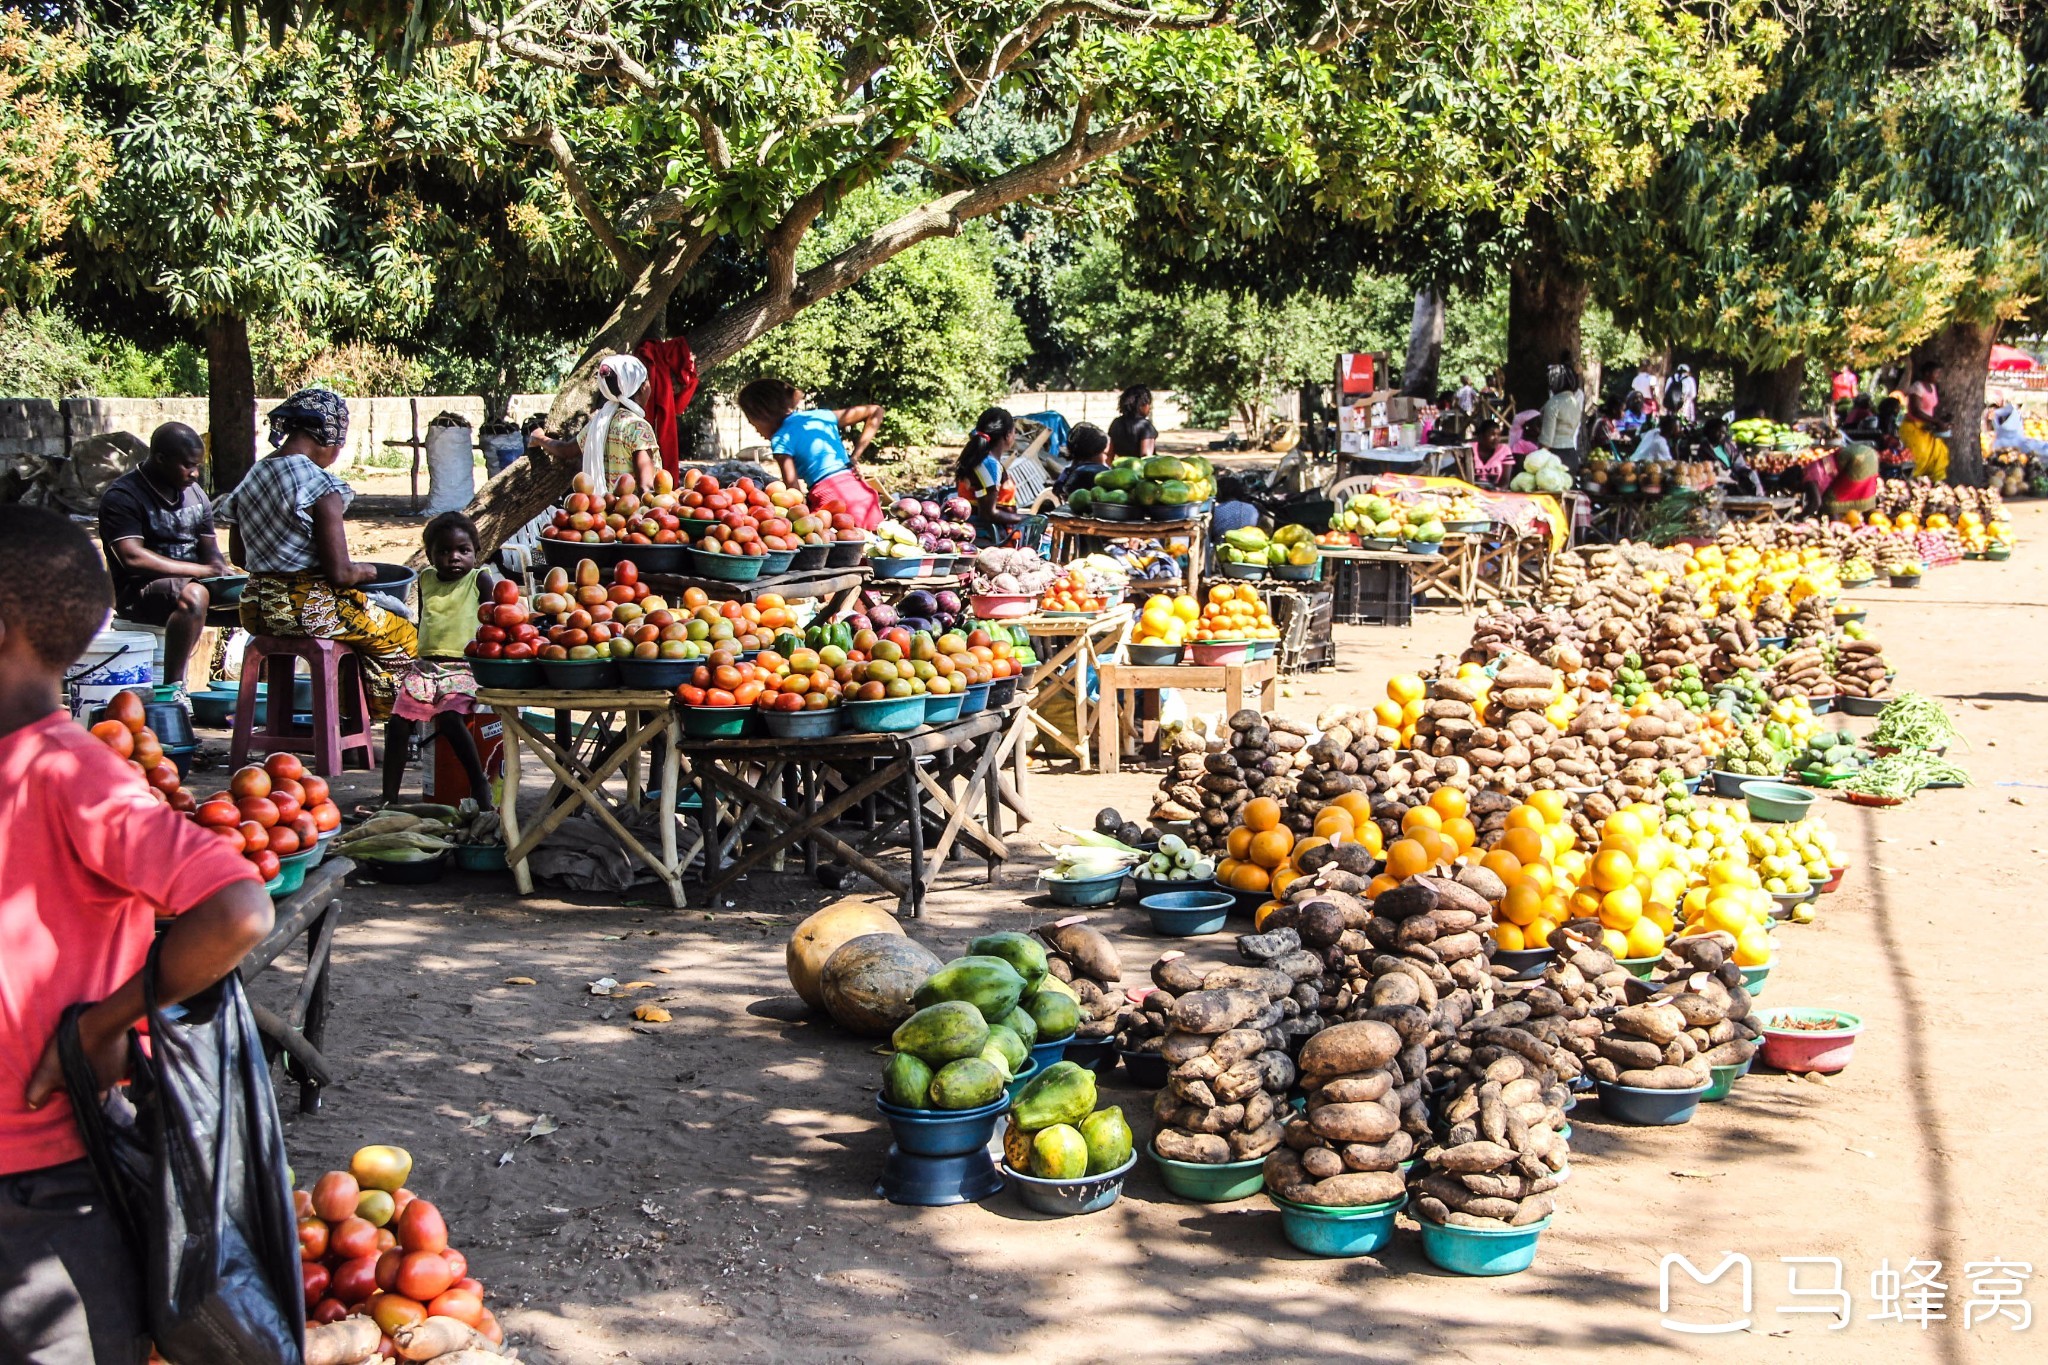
{"x": 989, "y": 984}
{"x": 1176, "y": 492}
{"x": 1017, "y": 1148}
{"x": 1058, "y": 987}
{"x": 1164, "y": 467}
{"x": 1118, "y": 479}
{"x": 1148, "y": 493}
{"x": 1021, "y": 951}
{"x": 1016, "y": 1052}
{"x": 942, "y": 1033}
{"x": 1059, "y": 1153}
{"x": 906, "y": 1081}
{"x": 1020, "y": 1022}
{"x": 1056, "y": 1015}
{"x": 1245, "y": 538}
{"x": 966, "y": 1084}
{"x": 996, "y": 1057}
{"x": 1062, "y": 1093}
{"x": 1108, "y": 1138}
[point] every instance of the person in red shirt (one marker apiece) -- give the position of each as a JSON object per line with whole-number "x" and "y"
{"x": 90, "y": 858}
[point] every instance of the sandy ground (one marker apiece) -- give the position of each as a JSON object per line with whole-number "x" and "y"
{"x": 707, "y": 1194}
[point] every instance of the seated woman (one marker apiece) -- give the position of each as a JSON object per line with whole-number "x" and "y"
{"x": 809, "y": 449}
{"x": 1606, "y": 434}
{"x": 1856, "y": 479}
{"x": 1087, "y": 456}
{"x": 980, "y": 478}
{"x": 285, "y": 529}
{"x": 1925, "y": 430}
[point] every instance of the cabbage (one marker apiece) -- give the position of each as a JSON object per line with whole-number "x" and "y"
{"x": 1522, "y": 483}
{"x": 1540, "y": 460}
{"x": 1553, "y": 480}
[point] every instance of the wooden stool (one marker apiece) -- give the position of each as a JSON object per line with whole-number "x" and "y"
{"x": 337, "y": 677}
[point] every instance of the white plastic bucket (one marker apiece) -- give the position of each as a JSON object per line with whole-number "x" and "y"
{"x": 115, "y": 661}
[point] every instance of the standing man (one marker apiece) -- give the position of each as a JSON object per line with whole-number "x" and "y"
{"x": 1466, "y": 395}
{"x": 157, "y": 530}
{"x": 1842, "y": 388}
{"x": 1647, "y": 385}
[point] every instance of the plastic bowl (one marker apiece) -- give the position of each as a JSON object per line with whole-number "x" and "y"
{"x": 802, "y": 724}
{"x": 1724, "y": 1080}
{"x": 656, "y": 674}
{"x": 565, "y": 554}
{"x": 1754, "y": 978}
{"x": 1733, "y": 784}
{"x": 890, "y": 715}
{"x": 1083, "y": 891}
{"x": 777, "y": 561}
{"x": 942, "y": 1132}
{"x": 884, "y": 567}
{"x": 393, "y": 580}
{"x": 481, "y": 857}
{"x": 214, "y": 708}
{"x": 808, "y": 557}
{"x": 1905, "y": 580}
{"x": 1064, "y": 1198}
{"x": 726, "y": 568}
{"x": 1147, "y": 1070}
{"x": 1481, "y": 1251}
{"x": 1183, "y": 914}
{"x": 846, "y": 554}
{"x": 1862, "y": 706}
{"x": 1097, "y": 1054}
{"x": 1641, "y": 967}
{"x": 1002, "y": 606}
{"x": 1834, "y": 881}
{"x": 975, "y": 699}
{"x": 1777, "y": 802}
{"x": 224, "y": 590}
{"x": 506, "y": 673}
{"x": 935, "y": 1181}
{"x": 1250, "y": 572}
{"x": 292, "y": 869}
{"x": 1248, "y": 902}
{"x": 1017, "y": 1082}
{"x": 1207, "y": 1184}
{"x": 939, "y": 710}
{"x": 1809, "y": 1050}
{"x": 1002, "y": 692}
{"x": 1337, "y": 1232}
{"x": 1044, "y": 1054}
{"x": 1211, "y": 653}
{"x": 1155, "y": 886}
{"x": 1296, "y": 573}
{"x": 716, "y": 722}
{"x": 579, "y": 675}
{"x": 406, "y": 874}
{"x": 1648, "y": 1108}
{"x": 669, "y": 557}
{"x": 1154, "y": 656}
{"x": 1526, "y": 963}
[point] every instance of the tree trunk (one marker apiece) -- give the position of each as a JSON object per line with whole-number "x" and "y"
{"x": 1425, "y": 344}
{"x": 230, "y": 400}
{"x": 1546, "y": 302}
{"x": 1963, "y": 350}
{"x": 1777, "y": 390}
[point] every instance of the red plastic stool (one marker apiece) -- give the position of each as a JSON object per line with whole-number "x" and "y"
{"x": 337, "y": 678}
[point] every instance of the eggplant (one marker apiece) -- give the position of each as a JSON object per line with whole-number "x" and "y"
{"x": 919, "y": 603}
{"x": 881, "y": 617}
{"x": 948, "y": 602}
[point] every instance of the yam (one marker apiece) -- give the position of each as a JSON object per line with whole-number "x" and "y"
{"x": 1471, "y": 1158}
{"x": 1372, "y": 1122}
{"x": 1364, "y": 1089}
{"x": 1206, "y": 1011}
{"x": 1355, "y": 1189}
{"x": 347, "y": 1341}
{"x": 1362, "y": 1045}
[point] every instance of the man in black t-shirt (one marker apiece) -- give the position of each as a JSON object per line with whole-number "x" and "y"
{"x": 157, "y": 527}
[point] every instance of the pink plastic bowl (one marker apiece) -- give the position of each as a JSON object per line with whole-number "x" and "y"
{"x": 1807, "y": 1050}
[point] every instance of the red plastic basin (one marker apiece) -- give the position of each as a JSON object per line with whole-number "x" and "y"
{"x": 1809, "y": 1050}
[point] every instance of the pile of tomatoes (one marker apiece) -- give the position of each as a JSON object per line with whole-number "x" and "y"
{"x": 724, "y": 679}
{"x": 505, "y": 628}
{"x": 623, "y": 516}
{"x": 123, "y": 731}
{"x": 1072, "y": 595}
{"x": 369, "y": 1246}
{"x": 746, "y": 519}
{"x": 271, "y": 811}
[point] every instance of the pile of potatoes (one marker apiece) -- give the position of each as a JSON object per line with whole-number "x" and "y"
{"x": 1735, "y": 643}
{"x": 1802, "y": 672}
{"x": 1345, "y": 1150}
{"x": 1230, "y": 1070}
{"x": 1623, "y": 754}
{"x": 1671, "y": 1035}
{"x": 1255, "y": 755}
{"x": 1504, "y": 1151}
{"x": 1086, "y": 960}
{"x": 1563, "y": 1006}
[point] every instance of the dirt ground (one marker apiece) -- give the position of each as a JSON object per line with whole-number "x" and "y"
{"x": 706, "y": 1193}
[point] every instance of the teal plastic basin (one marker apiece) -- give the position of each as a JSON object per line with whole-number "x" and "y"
{"x": 1481, "y": 1251}
{"x": 890, "y": 715}
{"x": 1337, "y": 1232}
{"x": 1207, "y": 1184}
{"x": 1778, "y": 802}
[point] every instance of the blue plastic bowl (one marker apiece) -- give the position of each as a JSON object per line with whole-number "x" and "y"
{"x": 933, "y": 1181}
{"x": 1526, "y": 963}
{"x": 802, "y": 724}
{"x": 1045, "y": 1054}
{"x": 942, "y": 1132}
{"x": 1649, "y": 1108}
{"x": 975, "y": 698}
{"x": 890, "y": 715}
{"x": 1181, "y": 914}
{"x": 1734, "y": 784}
{"x": 895, "y": 568}
{"x": 1147, "y": 1070}
{"x": 1777, "y": 802}
{"x": 1097, "y": 1054}
{"x": 1031, "y": 1068}
{"x": 1337, "y": 1232}
{"x": 1063, "y": 1198}
{"x": 1481, "y": 1251}
{"x": 1211, "y": 1184}
{"x": 938, "y": 710}
{"x": 1079, "y": 891}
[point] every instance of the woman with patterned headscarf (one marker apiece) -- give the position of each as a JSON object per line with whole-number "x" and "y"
{"x": 286, "y": 529}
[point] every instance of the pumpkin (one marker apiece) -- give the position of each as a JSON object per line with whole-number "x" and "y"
{"x": 817, "y": 937}
{"x": 868, "y": 981}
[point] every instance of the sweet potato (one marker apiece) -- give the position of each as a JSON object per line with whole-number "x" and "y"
{"x": 1362, "y": 1045}
{"x": 344, "y": 1342}
{"x": 438, "y": 1338}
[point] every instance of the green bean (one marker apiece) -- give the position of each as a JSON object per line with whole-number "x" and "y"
{"x": 1913, "y": 721}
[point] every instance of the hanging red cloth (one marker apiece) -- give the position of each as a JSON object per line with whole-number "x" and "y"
{"x": 671, "y": 384}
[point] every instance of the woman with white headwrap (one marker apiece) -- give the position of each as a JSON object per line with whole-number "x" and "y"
{"x": 618, "y": 439}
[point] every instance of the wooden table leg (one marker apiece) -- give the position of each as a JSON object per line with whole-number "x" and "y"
{"x": 1233, "y": 689}
{"x": 1109, "y": 741}
{"x": 912, "y": 903}
{"x": 671, "y": 763}
{"x": 508, "y": 799}
{"x": 1269, "y": 692}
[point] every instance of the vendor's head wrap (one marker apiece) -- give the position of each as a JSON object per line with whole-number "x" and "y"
{"x": 619, "y": 377}
{"x": 320, "y": 413}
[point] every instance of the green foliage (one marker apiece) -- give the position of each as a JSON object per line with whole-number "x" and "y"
{"x": 52, "y": 156}
{"x": 46, "y": 354}
{"x": 925, "y": 333}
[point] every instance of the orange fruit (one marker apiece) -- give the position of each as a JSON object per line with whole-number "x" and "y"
{"x": 1405, "y": 688}
{"x": 1448, "y": 802}
{"x": 1284, "y": 876}
{"x": 1387, "y": 713}
{"x": 1380, "y": 886}
{"x": 1271, "y": 847}
{"x": 1420, "y": 817}
{"x": 1613, "y": 869}
{"x": 1368, "y": 834}
{"x": 1357, "y": 805}
{"x": 1261, "y": 813}
{"x": 1542, "y": 874}
{"x": 1408, "y": 858}
{"x": 1522, "y": 842}
{"x": 1224, "y": 870}
{"x": 1550, "y": 802}
{"x": 1238, "y": 843}
{"x": 1460, "y": 832}
{"x": 1501, "y": 864}
{"x": 1302, "y": 846}
{"x": 1537, "y": 935}
{"x": 1523, "y": 902}
{"x": 1333, "y": 820}
{"x": 1509, "y": 937}
{"x": 1249, "y": 877}
{"x": 1262, "y": 914}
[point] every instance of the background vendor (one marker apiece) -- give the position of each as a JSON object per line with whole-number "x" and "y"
{"x": 1131, "y": 434}
{"x": 156, "y": 526}
{"x": 1087, "y": 457}
{"x": 980, "y": 477}
{"x": 618, "y": 438}
{"x": 1924, "y": 429}
{"x": 810, "y": 450}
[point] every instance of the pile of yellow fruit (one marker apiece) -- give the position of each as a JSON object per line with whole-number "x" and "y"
{"x": 1262, "y": 854}
{"x": 1234, "y": 612}
{"x": 1407, "y": 693}
{"x": 1751, "y": 575}
{"x": 1537, "y": 859}
{"x": 1977, "y": 537}
{"x": 1167, "y": 620}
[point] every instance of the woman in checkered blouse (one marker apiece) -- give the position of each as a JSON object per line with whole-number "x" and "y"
{"x": 286, "y": 529}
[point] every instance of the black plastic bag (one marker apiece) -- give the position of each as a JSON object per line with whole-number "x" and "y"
{"x": 191, "y": 1161}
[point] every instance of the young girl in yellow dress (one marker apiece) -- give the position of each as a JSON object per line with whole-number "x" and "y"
{"x": 438, "y": 687}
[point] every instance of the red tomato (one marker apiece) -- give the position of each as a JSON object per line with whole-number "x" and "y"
{"x": 126, "y": 708}
{"x": 354, "y": 1281}
{"x": 386, "y": 1240}
{"x": 690, "y": 696}
{"x": 313, "y": 790}
{"x": 288, "y": 806}
{"x": 506, "y": 617}
{"x": 283, "y": 841}
{"x": 260, "y": 809}
{"x": 312, "y": 1238}
{"x": 232, "y": 835}
{"x": 387, "y": 1268}
{"x": 519, "y": 649}
{"x": 115, "y": 736}
{"x": 459, "y": 1304}
{"x": 249, "y": 781}
{"x": 393, "y": 1311}
{"x": 505, "y": 592}
{"x": 306, "y": 827}
{"x": 184, "y": 802}
{"x": 420, "y": 1227}
{"x": 327, "y": 816}
{"x": 352, "y": 1237}
{"x": 287, "y": 766}
{"x": 718, "y": 696}
{"x": 266, "y": 865}
{"x": 331, "y": 1310}
{"x": 400, "y": 1197}
{"x": 302, "y": 1204}
{"x": 334, "y": 1198}
{"x": 458, "y": 1264}
{"x": 424, "y": 1274}
{"x": 490, "y": 635}
{"x": 164, "y": 777}
{"x": 313, "y": 1278}
{"x": 255, "y": 838}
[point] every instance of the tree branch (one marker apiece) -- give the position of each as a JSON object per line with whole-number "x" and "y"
{"x": 614, "y": 63}
{"x": 548, "y": 136}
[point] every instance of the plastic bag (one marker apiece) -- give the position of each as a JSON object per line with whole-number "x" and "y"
{"x": 191, "y": 1162}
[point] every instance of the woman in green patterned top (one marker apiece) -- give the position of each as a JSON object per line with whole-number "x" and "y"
{"x": 618, "y": 439}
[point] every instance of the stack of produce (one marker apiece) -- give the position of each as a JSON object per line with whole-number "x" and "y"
{"x": 1345, "y": 1150}
{"x": 1055, "y": 1132}
{"x": 276, "y": 810}
{"x": 893, "y": 540}
{"x": 1649, "y": 1046}
{"x": 1083, "y": 960}
{"x": 1227, "y": 1049}
{"x": 624, "y": 515}
{"x": 1167, "y": 620}
{"x": 1801, "y": 673}
{"x": 940, "y": 528}
{"x": 1504, "y": 1151}
{"x": 1234, "y": 611}
{"x": 1829, "y": 756}
{"x": 1751, "y": 754}
{"x": 1630, "y": 684}
{"x": 933, "y": 611}
{"x": 378, "y": 1269}
{"x": 1813, "y": 622}
{"x": 1000, "y": 572}
{"x": 1735, "y": 643}
{"x": 1072, "y": 596}
{"x": 125, "y": 731}
{"x": 1161, "y": 481}
{"x": 975, "y": 1023}
{"x": 1566, "y": 1004}
{"x": 1913, "y": 721}
{"x": 1623, "y": 752}
{"x": 1251, "y": 757}
{"x": 1860, "y": 669}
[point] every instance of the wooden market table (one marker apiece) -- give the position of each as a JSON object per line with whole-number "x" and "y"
{"x": 1068, "y": 531}
{"x": 584, "y": 761}
{"x": 1454, "y": 460}
{"x": 1089, "y": 641}
{"x": 1761, "y": 511}
{"x": 802, "y": 794}
{"x": 314, "y": 913}
{"x": 1233, "y": 680}
{"x": 1452, "y": 572}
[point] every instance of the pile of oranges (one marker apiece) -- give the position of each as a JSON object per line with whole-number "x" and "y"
{"x": 1262, "y": 854}
{"x": 1433, "y": 836}
{"x": 1235, "y": 611}
{"x": 1628, "y": 882}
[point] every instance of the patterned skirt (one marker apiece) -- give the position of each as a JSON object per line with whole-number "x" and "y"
{"x": 306, "y": 604}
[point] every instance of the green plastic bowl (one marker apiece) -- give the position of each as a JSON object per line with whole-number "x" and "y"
{"x": 1641, "y": 967}
{"x": 890, "y": 715}
{"x": 726, "y": 568}
{"x": 1725, "y": 1078}
{"x": 1206, "y": 1184}
{"x": 291, "y": 871}
{"x": 1753, "y": 978}
{"x": 1777, "y": 802}
{"x": 521, "y": 674}
{"x": 481, "y": 857}
{"x": 1481, "y": 1251}
{"x": 716, "y": 722}
{"x": 802, "y": 724}
{"x": 1337, "y": 1232}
